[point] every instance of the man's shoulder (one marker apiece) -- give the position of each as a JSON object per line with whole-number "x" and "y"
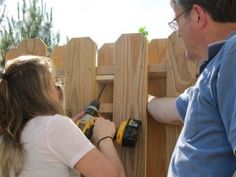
{"x": 229, "y": 45}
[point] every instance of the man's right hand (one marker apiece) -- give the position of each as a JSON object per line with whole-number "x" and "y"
{"x": 164, "y": 109}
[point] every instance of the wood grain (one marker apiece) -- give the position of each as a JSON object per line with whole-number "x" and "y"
{"x": 181, "y": 73}
{"x": 80, "y": 74}
{"x": 28, "y": 47}
{"x": 130, "y": 97}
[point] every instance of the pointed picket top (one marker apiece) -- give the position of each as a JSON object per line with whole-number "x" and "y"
{"x": 29, "y": 47}
{"x": 106, "y": 54}
{"x": 130, "y": 96}
{"x": 57, "y": 57}
{"x": 156, "y": 51}
{"x": 181, "y": 72}
{"x": 80, "y": 74}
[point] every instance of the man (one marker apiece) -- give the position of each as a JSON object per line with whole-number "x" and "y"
{"x": 207, "y": 143}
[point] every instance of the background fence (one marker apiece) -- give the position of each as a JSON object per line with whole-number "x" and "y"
{"x": 131, "y": 67}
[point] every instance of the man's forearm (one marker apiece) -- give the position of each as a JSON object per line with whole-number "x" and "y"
{"x": 163, "y": 109}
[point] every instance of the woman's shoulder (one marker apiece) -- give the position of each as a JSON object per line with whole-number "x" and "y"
{"x": 58, "y": 119}
{"x": 49, "y": 120}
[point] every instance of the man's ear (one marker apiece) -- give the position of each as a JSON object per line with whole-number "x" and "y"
{"x": 200, "y": 16}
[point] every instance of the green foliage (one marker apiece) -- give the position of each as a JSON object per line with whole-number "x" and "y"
{"x": 143, "y": 31}
{"x": 33, "y": 21}
{"x": 2, "y": 10}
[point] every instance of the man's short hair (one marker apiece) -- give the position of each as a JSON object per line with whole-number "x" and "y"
{"x": 219, "y": 10}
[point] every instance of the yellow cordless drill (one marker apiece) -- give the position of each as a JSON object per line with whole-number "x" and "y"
{"x": 126, "y": 134}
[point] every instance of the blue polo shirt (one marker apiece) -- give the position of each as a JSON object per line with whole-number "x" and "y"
{"x": 207, "y": 142}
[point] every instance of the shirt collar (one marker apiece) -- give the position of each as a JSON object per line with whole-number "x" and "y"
{"x": 213, "y": 49}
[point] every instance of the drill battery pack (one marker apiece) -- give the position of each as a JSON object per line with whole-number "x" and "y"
{"x": 127, "y": 133}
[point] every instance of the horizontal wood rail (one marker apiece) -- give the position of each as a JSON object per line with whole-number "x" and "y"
{"x": 105, "y": 74}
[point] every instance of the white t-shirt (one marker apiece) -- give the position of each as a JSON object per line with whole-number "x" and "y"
{"x": 53, "y": 144}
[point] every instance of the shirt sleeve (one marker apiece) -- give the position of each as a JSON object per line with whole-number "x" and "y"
{"x": 182, "y": 103}
{"x": 226, "y": 91}
{"x": 66, "y": 141}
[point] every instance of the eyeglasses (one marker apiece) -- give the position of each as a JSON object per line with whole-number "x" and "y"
{"x": 174, "y": 23}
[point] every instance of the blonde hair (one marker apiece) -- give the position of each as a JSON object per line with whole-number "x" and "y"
{"x": 25, "y": 92}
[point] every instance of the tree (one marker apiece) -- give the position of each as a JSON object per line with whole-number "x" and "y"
{"x": 2, "y": 10}
{"x": 33, "y": 21}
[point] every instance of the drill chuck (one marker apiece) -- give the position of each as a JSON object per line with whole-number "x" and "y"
{"x": 92, "y": 108}
{"x": 86, "y": 123}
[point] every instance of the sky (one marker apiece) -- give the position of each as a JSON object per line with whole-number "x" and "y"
{"x": 104, "y": 21}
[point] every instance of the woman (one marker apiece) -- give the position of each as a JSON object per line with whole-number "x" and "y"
{"x": 36, "y": 139}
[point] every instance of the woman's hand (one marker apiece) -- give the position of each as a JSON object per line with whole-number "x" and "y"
{"x": 102, "y": 128}
{"x": 77, "y": 117}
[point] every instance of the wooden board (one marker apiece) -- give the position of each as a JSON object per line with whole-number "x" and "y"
{"x": 156, "y": 134}
{"x": 181, "y": 73}
{"x": 130, "y": 97}
{"x": 28, "y": 47}
{"x": 80, "y": 76}
{"x": 57, "y": 57}
{"x": 105, "y": 69}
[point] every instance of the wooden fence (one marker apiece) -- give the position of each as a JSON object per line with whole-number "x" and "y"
{"x": 131, "y": 67}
